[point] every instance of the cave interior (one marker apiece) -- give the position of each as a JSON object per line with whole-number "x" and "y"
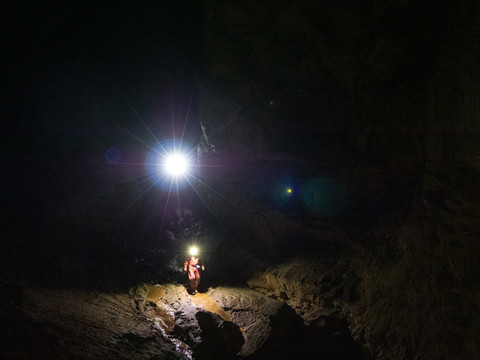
{"x": 332, "y": 190}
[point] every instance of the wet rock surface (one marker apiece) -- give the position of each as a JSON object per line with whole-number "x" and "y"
{"x": 159, "y": 322}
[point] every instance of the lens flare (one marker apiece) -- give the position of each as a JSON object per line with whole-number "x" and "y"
{"x": 193, "y": 251}
{"x": 113, "y": 155}
{"x": 325, "y": 196}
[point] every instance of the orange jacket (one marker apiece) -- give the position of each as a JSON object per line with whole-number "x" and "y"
{"x": 193, "y": 261}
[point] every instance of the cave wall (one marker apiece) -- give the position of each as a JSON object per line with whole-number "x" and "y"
{"x": 385, "y": 91}
{"x": 423, "y": 284}
{"x": 348, "y": 72}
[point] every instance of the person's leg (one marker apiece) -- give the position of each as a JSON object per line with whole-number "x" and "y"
{"x": 192, "y": 285}
{"x": 197, "y": 279}
{"x": 192, "y": 279}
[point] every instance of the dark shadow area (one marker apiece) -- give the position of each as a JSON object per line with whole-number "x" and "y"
{"x": 220, "y": 339}
{"x": 21, "y": 330}
{"x": 328, "y": 339}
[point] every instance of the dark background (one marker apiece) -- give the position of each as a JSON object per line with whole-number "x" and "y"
{"x": 88, "y": 89}
{"x": 333, "y": 100}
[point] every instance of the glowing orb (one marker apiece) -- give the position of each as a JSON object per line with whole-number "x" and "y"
{"x": 289, "y": 190}
{"x": 170, "y": 165}
{"x": 193, "y": 251}
{"x": 176, "y": 164}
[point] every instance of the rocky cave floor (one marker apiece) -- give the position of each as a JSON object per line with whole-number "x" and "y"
{"x": 162, "y": 321}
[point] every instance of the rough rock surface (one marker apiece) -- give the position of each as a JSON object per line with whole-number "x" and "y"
{"x": 73, "y": 324}
{"x": 313, "y": 287}
{"x": 251, "y": 311}
{"x": 149, "y": 322}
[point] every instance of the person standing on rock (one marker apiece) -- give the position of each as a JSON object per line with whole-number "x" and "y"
{"x": 191, "y": 266}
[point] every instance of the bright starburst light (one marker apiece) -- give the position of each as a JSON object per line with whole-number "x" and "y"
{"x": 193, "y": 251}
{"x": 170, "y": 166}
{"x": 176, "y": 164}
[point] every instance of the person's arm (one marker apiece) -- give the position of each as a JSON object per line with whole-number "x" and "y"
{"x": 185, "y": 264}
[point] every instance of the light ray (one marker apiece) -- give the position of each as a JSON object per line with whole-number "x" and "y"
{"x": 188, "y": 108}
{"x": 165, "y": 210}
{"x": 204, "y": 202}
{"x": 137, "y": 114}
